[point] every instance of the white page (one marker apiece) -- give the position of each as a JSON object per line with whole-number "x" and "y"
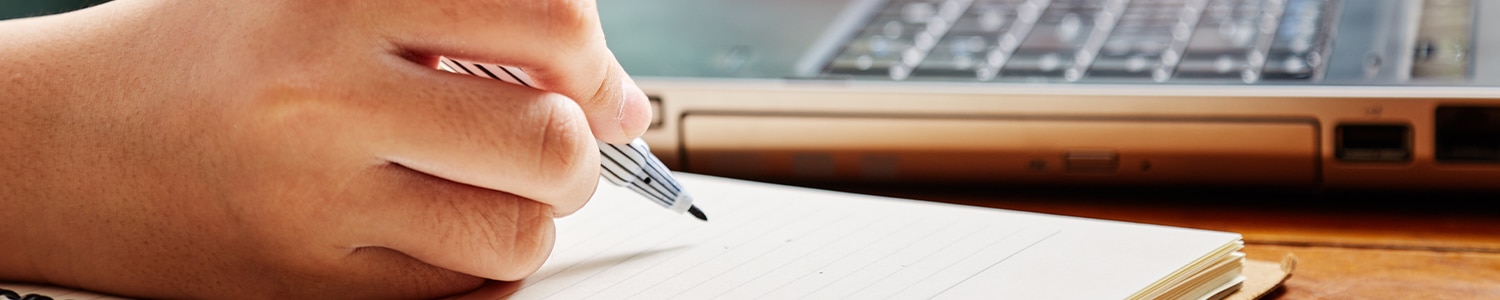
{"x": 768, "y": 241}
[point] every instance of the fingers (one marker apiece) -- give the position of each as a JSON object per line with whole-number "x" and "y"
{"x": 559, "y": 44}
{"x": 470, "y": 130}
{"x": 453, "y": 226}
{"x": 632, "y": 115}
{"x": 617, "y": 109}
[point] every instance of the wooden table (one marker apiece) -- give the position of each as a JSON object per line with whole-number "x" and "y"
{"x": 1369, "y": 245}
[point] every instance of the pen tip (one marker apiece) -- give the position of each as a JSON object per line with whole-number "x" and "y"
{"x": 697, "y": 213}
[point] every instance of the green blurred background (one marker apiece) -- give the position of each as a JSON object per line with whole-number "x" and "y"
{"x": 10, "y": 9}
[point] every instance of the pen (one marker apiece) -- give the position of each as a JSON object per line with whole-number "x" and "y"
{"x": 628, "y": 165}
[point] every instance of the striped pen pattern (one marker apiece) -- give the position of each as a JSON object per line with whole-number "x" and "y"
{"x": 628, "y": 165}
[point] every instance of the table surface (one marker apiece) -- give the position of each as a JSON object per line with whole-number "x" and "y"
{"x": 1347, "y": 245}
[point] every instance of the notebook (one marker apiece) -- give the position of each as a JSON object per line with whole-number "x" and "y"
{"x": 1295, "y": 94}
{"x": 768, "y": 241}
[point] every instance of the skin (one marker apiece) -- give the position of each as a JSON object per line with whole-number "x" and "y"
{"x": 302, "y": 149}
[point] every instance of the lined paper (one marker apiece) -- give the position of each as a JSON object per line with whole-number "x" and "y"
{"x": 767, "y": 241}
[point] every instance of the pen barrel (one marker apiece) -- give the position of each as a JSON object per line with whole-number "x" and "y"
{"x": 627, "y": 165}
{"x": 634, "y": 167}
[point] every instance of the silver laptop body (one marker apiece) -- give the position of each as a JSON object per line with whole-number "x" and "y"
{"x": 1322, "y": 94}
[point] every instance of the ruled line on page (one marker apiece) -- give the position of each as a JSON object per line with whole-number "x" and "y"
{"x": 756, "y": 257}
{"x": 803, "y": 256}
{"x": 819, "y": 240}
{"x": 662, "y": 240}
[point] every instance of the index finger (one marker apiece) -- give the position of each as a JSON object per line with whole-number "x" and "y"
{"x": 617, "y": 110}
{"x": 558, "y": 43}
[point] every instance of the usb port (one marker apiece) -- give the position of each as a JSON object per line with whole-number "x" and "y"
{"x": 1373, "y": 143}
{"x": 1467, "y": 134}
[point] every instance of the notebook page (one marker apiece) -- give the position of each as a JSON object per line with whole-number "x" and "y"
{"x": 766, "y": 241}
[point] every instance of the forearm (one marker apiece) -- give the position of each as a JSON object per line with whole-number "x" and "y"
{"x": 42, "y": 92}
{"x": 18, "y": 91}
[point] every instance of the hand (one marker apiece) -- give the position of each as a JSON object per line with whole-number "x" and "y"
{"x": 307, "y": 149}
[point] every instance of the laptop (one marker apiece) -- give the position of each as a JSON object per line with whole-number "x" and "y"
{"x": 1301, "y": 94}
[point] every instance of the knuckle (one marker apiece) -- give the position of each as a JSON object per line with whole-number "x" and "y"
{"x": 608, "y": 93}
{"x": 530, "y": 228}
{"x": 578, "y": 12}
{"x": 576, "y": 20}
{"x": 567, "y": 149}
{"x": 568, "y": 156}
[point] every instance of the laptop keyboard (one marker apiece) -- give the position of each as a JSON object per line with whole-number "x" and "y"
{"x": 1091, "y": 40}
